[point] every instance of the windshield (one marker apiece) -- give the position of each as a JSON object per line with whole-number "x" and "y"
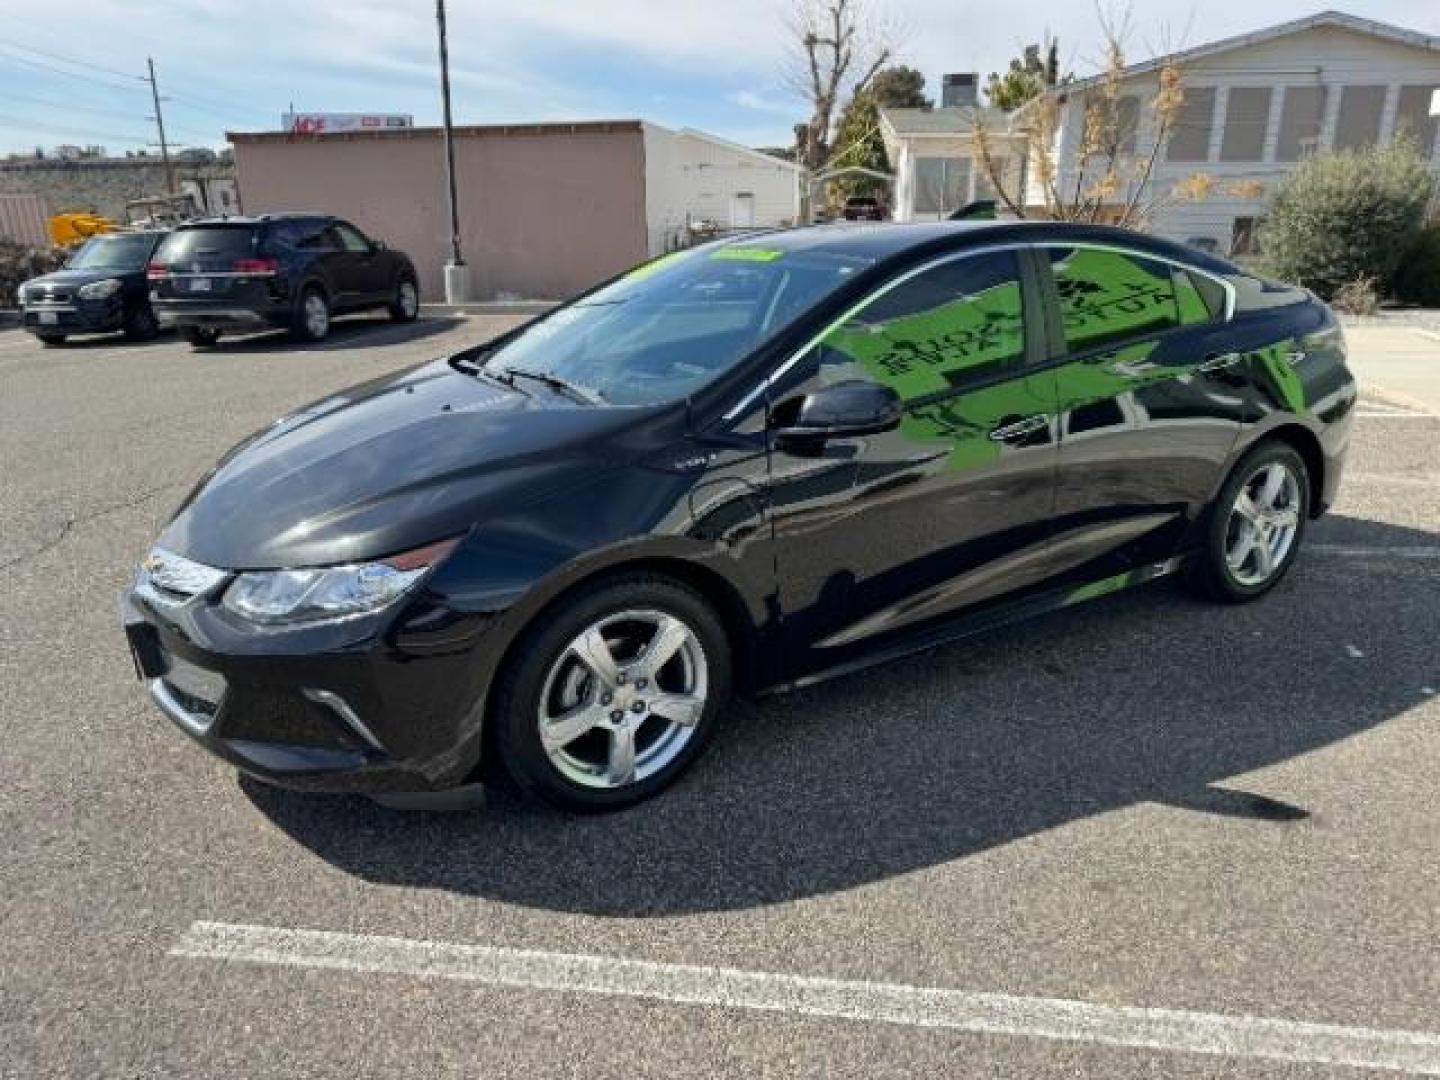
{"x": 124, "y": 252}
{"x": 672, "y": 325}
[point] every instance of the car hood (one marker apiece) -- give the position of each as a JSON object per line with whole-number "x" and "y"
{"x": 75, "y": 278}
{"x": 398, "y": 463}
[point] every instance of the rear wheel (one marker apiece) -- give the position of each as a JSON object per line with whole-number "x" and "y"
{"x": 200, "y": 336}
{"x": 614, "y": 695}
{"x": 49, "y": 340}
{"x": 140, "y": 323}
{"x": 311, "y": 321}
{"x": 1256, "y": 525}
{"x": 406, "y": 305}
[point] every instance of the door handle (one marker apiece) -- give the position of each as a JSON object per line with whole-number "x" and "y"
{"x": 1219, "y": 361}
{"x": 1020, "y": 428}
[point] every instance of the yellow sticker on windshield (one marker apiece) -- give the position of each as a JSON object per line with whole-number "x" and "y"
{"x": 747, "y": 254}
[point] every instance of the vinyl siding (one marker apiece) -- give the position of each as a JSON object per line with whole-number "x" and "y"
{"x": 691, "y": 178}
{"x": 1326, "y": 57}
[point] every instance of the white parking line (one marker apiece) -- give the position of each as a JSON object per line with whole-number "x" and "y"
{"x": 1360, "y": 551}
{"x": 1004, "y": 1014}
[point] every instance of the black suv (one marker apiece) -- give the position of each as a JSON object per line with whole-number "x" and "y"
{"x": 293, "y": 271}
{"x": 100, "y": 289}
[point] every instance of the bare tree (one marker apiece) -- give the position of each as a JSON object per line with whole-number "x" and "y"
{"x": 837, "y": 47}
{"x": 1106, "y": 179}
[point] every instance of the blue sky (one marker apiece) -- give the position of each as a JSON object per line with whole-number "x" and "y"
{"x": 237, "y": 64}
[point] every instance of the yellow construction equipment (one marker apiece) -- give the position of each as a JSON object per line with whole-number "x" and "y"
{"x": 71, "y": 228}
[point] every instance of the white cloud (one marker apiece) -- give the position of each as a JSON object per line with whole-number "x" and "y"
{"x": 748, "y": 99}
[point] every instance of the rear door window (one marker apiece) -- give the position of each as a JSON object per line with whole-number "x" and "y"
{"x": 1110, "y": 297}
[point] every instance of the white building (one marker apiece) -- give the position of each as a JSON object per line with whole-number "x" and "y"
{"x": 696, "y": 181}
{"x": 931, "y": 150}
{"x": 1254, "y": 105}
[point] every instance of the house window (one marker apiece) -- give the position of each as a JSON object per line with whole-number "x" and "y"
{"x": 1244, "y": 236}
{"x": 1412, "y": 115}
{"x": 941, "y": 184}
{"x": 1247, "y": 115}
{"x": 1190, "y": 139}
{"x": 1300, "y": 119}
{"x": 1359, "y": 122}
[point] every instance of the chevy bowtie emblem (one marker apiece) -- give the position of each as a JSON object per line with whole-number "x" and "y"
{"x": 152, "y": 563}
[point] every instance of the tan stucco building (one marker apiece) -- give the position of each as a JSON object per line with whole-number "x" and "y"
{"x": 546, "y": 210}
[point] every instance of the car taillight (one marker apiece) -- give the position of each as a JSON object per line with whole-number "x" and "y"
{"x": 255, "y": 266}
{"x": 155, "y": 271}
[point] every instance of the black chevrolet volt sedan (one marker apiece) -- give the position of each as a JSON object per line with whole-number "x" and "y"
{"x": 742, "y": 467}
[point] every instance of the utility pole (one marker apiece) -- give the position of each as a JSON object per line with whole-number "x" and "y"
{"x": 160, "y": 124}
{"x": 457, "y": 274}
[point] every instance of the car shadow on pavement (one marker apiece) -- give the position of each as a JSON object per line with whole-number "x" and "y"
{"x": 346, "y": 332}
{"x": 1145, "y": 697}
{"x": 108, "y": 341}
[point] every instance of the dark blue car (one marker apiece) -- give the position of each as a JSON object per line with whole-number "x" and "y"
{"x": 100, "y": 290}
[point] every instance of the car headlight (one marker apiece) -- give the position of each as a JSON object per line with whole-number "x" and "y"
{"x": 100, "y": 290}
{"x": 274, "y": 597}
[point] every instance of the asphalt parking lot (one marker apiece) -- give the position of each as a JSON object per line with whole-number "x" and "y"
{"x": 1144, "y": 837}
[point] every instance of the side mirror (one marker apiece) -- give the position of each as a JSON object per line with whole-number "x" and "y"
{"x": 855, "y": 407}
{"x": 377, "y": 245}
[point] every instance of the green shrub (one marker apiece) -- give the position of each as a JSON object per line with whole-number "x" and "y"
{"x": 1342, "y": 217}
{"x": 1417, "y": 279}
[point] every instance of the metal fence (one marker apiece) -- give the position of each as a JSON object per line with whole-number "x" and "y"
{"x": 23, "y": 218}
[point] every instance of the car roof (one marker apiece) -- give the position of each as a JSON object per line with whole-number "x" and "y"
{"x": 884, "y": 241}
{"x": 238, "y": 220}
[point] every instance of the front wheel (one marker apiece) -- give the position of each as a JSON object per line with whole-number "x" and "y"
{"x": 1256, "y": 525}
{"x": 405, "y": 307}
{"x": 614, "y": 695}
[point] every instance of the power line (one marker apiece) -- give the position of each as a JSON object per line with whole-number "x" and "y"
{"x": 223, "y": 110}
{"x": 20, "y": 124}
{"x": 40, "y": 65}
{"x": 71, "y": 60}
{"x": 67, "y": 105}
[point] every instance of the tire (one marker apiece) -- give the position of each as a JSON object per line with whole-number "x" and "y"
{"x": 51, "y": 340}
{"x": 200, "y": 336}
{"x": 140, "y": 323}
{"x": 311, "y": 319}
{"x": 1236, "y": 565}
{"x": 585, "y": 769}
{"x": 406, "y": 305}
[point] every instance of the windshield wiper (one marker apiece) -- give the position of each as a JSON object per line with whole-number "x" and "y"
{"x": 581, "y": 393}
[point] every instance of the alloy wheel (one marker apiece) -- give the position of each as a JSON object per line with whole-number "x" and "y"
{"x": 317, "y": 315}
{"x": 623, "y": 699}
{"x": 1263, "y": 524}
{"x": 409, "y": 299}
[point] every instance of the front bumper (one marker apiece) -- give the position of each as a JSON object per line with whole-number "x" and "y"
{"x": 339, "y": 707}
{"x": 79, "y": 317}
